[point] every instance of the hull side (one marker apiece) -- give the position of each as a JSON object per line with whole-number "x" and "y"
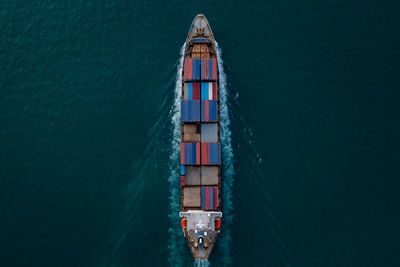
{"x": 200, "y": 161}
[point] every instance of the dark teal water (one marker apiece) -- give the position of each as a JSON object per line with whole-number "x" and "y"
{"x": 87, "y": 93}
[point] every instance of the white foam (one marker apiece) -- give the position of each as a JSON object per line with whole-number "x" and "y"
{"x": 224, "y": 242}
{"x": 176, "y": 242}
{"x": 201, "y": 263}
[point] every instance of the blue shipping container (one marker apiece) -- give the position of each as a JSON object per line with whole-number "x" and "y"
{"x": 182, "y": 169}
{"x": 196, "y": 69}
{"x": 190, "y": 110}
{"x": 212, "y": 110}
{"x": 190, "y": 153}
{"x": 215, "y": 153}
{"x": 204, "y": 91}
{"x": 190, "y": 91}
{"x": 206, "y": 69}
{"x": 210, "y": 69}
{"x": 183, "y": 111}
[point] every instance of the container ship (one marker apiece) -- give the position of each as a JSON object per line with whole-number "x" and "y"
{"x": 200, "y": 161}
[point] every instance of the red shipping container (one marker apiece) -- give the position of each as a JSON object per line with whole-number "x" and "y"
{"x": 206, "y": 153}
{"x": 185, "y": 69}
{"x": 196, "y": 91}
{"x": 205, "y": 158}
{"x": 188, "y": 69}
{"x": 206, "y": 111}
{"x": 215, "y": 196}
{"x": 214, "y": 90}
{"x": 207, "y": 198}
{"x": 198, "y": 153}
{"x": 182, "y": 180}
{"x": 202, "y": 153}
{"x": 182, "y": 153}
{"x": 214, "y": 68}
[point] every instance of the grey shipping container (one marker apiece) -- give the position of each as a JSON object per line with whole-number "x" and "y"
{"x": 209, "y": 133}
{"x": 209, "y": 175}
{"x": 192, "y": 175}
{"x": 191, "y": 196}
{"x": 186, "y": 91}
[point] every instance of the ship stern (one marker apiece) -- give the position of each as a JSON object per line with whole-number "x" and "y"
{"x": 200, "y": 229}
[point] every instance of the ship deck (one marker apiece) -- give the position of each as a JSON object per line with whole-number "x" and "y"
{"x": 201, "y": 143}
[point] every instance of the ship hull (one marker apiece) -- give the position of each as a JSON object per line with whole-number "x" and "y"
{"x": 201, "y": 160}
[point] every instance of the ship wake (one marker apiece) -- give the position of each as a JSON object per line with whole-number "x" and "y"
{"x": 176, "y": 244}
{"x": 224, "y": 239}
{"x": 201, "y": 263}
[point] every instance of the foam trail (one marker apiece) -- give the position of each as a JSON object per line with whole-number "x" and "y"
{"x": 224, "y": 242}
{"x": 201, "y": 263}
{"x": 176, "y": 240}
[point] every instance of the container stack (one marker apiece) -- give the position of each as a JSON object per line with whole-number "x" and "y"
{"x": 200, "y": 146}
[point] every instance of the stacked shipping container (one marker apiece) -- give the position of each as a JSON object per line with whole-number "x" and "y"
{"x": 208, "y": 68}
{"x": 193, "y": 70}
{"x": 191, "y": 91}
{"x": 208, "y": 91}
{"x": 190, "y": 153}
{"x": 190, "y": 110}
{"x": 200, "y": 147}
{"x": 211, "y": 154}
{"x": 209, "y": 197}
{"x": 209, "y": 112}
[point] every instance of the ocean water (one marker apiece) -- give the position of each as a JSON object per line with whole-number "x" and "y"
{"x": 89, "y": 130}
